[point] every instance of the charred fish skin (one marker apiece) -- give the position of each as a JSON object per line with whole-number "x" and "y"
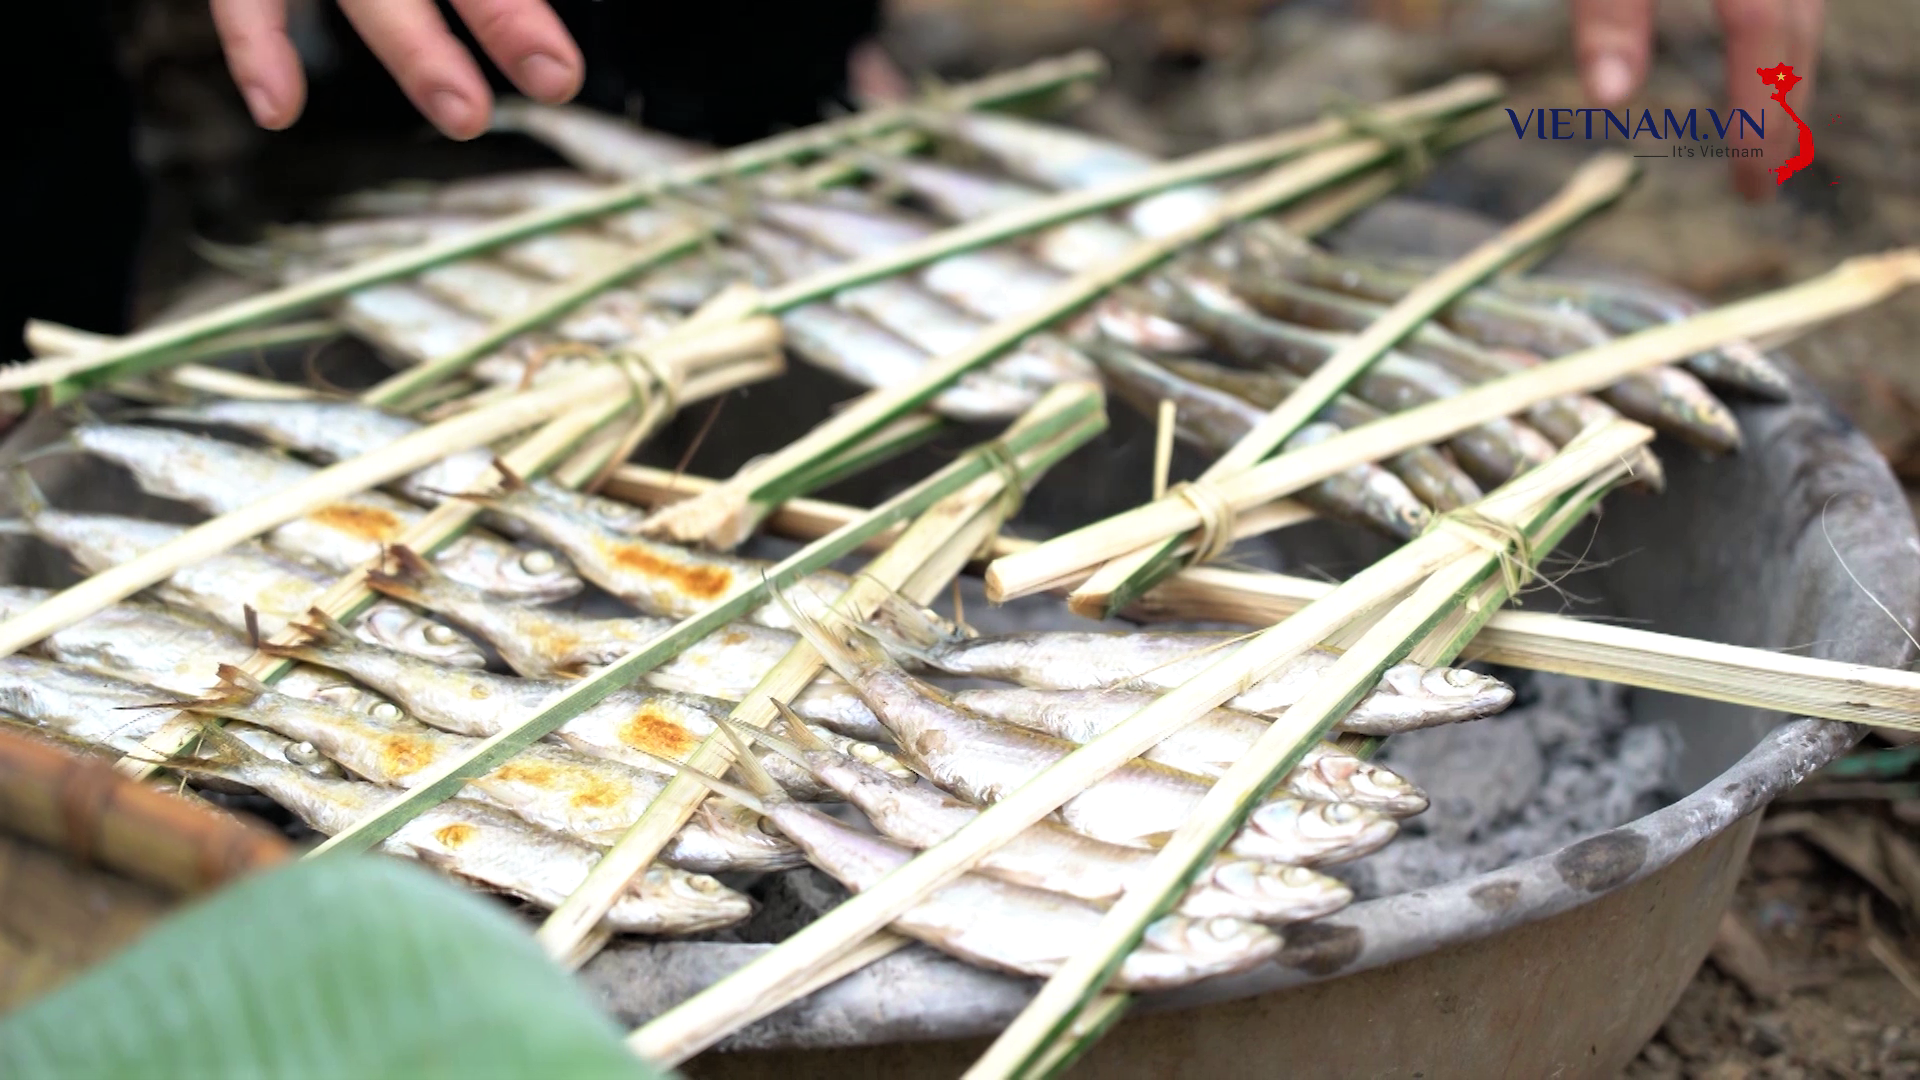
{"x": 483, "y": 844}
{"x": 1018, "y": 929}
{"x": 224, "y": 586}
{"x": 1207, "y": 747}
{"x": 1364, "y": 495}
{"x": 1140, "y": 803}
{"x": 590, "y": 799}
{"x": 1056, "y": 859}
{"x": 221, "y": 477}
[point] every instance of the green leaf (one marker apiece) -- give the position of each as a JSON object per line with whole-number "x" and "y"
{"x": 347, "y": 967}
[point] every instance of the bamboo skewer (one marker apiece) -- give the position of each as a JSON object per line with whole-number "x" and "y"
{"x": 726, "y": 515}
{"x": 710, "y": 1014}
{"x": 928, "y": 553}
{"x": 1598, "y": 183}
{"x": 152, "y": 347}
{"x": 443, "y": 781}
{"x": 1445, "y": 595}
{"x": 1853, "y": 284}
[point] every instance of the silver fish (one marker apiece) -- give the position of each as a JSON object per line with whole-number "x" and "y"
{"x": 633, "y": 726}
{"x": 482, "y": 844}
{"x": 591, "y": 799}
{"x": 409, "y": 324}
{"x": 1141, "y": 803}
{"x": 854, "y": 348}
{"x": 1408, "y": 697}
{"x": 1206, "y": 747}
{"x": 962, "y": 194}
{"x": 1048, "y": 856}
{"x": 1012, "y": 927}
{"x": 597, "y": 143}
{"x": 221, "y": 477}
{"x": 99, "y": 709}
{"x": 499, "y": 193}
{"x": 277, "y": 588}
{"x": 483, "y": 287}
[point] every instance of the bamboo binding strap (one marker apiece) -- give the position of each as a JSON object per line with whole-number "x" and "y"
{"x": 648, "y": 375}
{"x": 1217, "y": 518}
{"x": 1013, "y": 482}
{"x": 1408, "y": 138}
{"x": 1507, "y": 542}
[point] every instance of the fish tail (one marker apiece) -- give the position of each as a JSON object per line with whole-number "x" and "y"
{"x": 219, "y": 753}
{"x": 898, "y": 621}
{"x": 762, "y": 784}
{"x": 319, "y": 633}
{"x": 847, "y": 651}
{"x": 804, "y": 740}
{"x": 407, "y": 573}
{"x": 27, "y": 496}
{"x": 229, "y": 697}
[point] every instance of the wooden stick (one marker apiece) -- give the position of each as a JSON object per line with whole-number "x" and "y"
{"x": 709, "y": 1015}
{"x": 1602, "y": 180}
{"x": 150, "y": 348}
{"x": 1853, "y": 284}
{"x": 726, "y": 515}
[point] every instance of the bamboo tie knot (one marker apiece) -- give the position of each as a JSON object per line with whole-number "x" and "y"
{"x": 1217, "y": 518}
{"x": 1013, "y": 481}
{"x": 1407, "y": 138}
{"x": 1505, "y": 541}
{"x": 649, "y": 376}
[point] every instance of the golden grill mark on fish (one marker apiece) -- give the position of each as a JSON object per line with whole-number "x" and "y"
{"x": 1141, "y": 803}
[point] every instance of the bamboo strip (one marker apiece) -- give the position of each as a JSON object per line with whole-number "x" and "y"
{"x": 1462, "y": 94}
{"x": 918, "y": 567}
{"x": 1853, "y": 284}
{"x": 445, "y": 780}
{"x": 150, "y": 348}
{"x": 726, "y": 515}
{"x": 711, "y": 1014}
{"x": 1602, "y": 180}
{"x": 53, "y": 339}
{"x": 1252, "y": 776}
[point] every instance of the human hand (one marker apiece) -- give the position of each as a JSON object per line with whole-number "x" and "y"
{"x": 1612, "y": 40}
{"x": 524, "y": 37}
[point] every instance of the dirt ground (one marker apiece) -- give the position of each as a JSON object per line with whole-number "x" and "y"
{"x": 1807, "y": 980}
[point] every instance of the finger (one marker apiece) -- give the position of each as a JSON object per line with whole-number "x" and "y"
{"x": 1756, "y": 33}
{"x": 253, "y": 34}
{"x": 1611, "y": 39}
{"x": 529, "y": 43}
{"x": 1806, "y": 21}
{"x": 413, "y": 43}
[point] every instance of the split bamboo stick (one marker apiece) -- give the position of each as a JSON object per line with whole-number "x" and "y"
{"x": 153, "y": 347}
{"x": 1853, "y": 284}
{"x": 709, "y": 1015}
{"x": 1602, "y": 180}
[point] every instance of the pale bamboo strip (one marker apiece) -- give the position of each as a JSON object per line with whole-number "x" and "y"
{"x": 53, "y": 339}
{"x": 1460, "y": 95}
{"x": 1853, "y": 284}
{"x": 1081, "y": 402}
{"x": 709, "y": 1015}
{"x": 151, "y": 347}
{"x": 1602, "y": 180}
{"x": 935, "y": 528}
{"x": 1278, "y": 749}
{"x": 726, "y": 515}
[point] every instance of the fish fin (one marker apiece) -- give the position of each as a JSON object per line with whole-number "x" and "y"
{"x": 793, "y": 751}
{"x": 402, "y": 582}
{"x": 320, "y": 631}
{"x": 804, "y": 737}
{"x": 912, "y": 624}
{"x": 27, "y": 496}
{"x": 61, "y": 447}
{"x": 762, "y": 784}
{"x": 252, "y": 619}
{"x": 509, "y": 480}
{"x": 219, "y": 753}
{"x": 846, "y": 651}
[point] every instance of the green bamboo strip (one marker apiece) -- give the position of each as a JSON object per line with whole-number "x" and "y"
{"x": 726, "y": 515}
{"x": 1460, "y": 95}
{"x": 446, "y": 780}
{"x": 1854, "y": 284}
{"x": 1278, "y": 749}
{"x": 674, "y": 241}
{"x": 924, "y": 548}
{"x": 1595, "y": 185}
{"x": 710, "y": 1014}
{"x": 150, "y": 348}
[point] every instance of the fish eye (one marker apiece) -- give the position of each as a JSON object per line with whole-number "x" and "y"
{"x": 437, "y": 634}
{"x": 701, "y": 883}
{"x": 385, "y": 710}
{"x": 1296, "y": 876}
{"x": 1340, "y": 813}
{"x": 770, "y": 829}
{"x": 538, "y": 562}
{"x": 303, "y": 753}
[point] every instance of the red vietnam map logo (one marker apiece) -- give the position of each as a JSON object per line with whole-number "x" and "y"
{"x": 1782, "y": 79}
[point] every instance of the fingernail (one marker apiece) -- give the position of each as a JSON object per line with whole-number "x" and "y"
{"x": 1611, "y": 78}
{"x": 259, "y": 103}
{"x": 452, "y": 113}
{"x": 546, "y": 78}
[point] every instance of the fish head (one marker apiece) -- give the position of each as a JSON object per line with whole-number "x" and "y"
{"x": 868, "y": 754}
{"x": 1296, "y": 831}
{"x": 1291, "y": 892}
{"x": 1212, "y": 941}
{"x": 688, "y": 901}
{"x": 532, "y": 575}
{"x": 1144, "y": 330}
{"x": 1440, "y": 693}
{"x": 1351, "y": 779}
{"x": 614, "y": 514}
{"x": 403, "y": 630}
{"x": 754, "y": 842}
